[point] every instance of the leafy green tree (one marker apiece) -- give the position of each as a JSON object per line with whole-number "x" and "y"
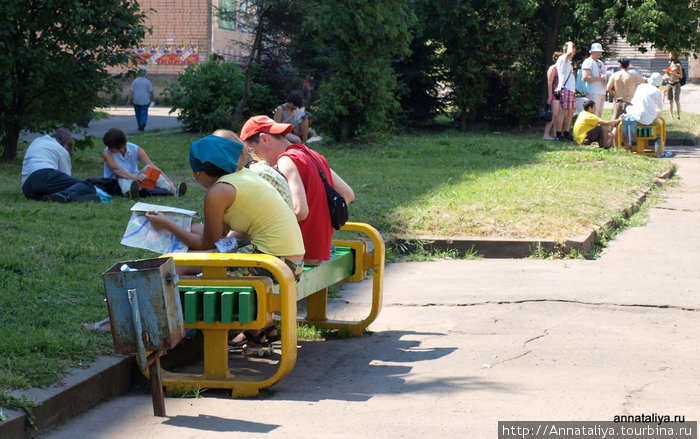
{"x": 208, "y": 94}
{"x": 55, "y": 59}
{"x": 360, "y": 39}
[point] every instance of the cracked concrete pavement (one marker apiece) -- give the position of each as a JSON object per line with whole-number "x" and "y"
{"x": 463, "y": 344}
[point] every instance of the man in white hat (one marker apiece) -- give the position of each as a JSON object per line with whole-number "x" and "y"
{"x": 594, "y": 72}
{"x": 646, "y": 106}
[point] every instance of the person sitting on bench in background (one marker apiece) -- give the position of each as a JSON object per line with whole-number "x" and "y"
{"x": 299, "y": 164}
{"x": 122, "y": 164}
{"x": 647, "y": 103}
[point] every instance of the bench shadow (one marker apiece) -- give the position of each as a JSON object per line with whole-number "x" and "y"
{"x": 356, "y": 369}
{"x": 218, "y": 424}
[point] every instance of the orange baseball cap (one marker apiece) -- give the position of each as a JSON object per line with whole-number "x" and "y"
{"x": 263, "y": 124}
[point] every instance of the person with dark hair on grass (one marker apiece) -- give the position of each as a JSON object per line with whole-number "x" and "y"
{"x": 590, "y": 128}
{"x": 291, "y": 112}
{"x": 122, "y": 164}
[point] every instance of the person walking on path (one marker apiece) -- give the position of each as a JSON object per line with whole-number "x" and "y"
{"x": 141, "y": 94}
{"x": 594, "y": 72}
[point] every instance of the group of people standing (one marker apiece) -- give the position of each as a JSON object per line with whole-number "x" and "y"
{"x": 636, "y": 98}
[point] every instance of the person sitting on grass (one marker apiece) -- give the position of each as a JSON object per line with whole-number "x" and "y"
{"x": 122, "y": 164}
{"x": 238, "y": 200}
{"x": 291, "y": 112}
{"x": 590, "y": 128}
{"x": 46, "y": 171}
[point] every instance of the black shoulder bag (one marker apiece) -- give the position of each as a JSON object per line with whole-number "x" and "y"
{"x": 337, "y": 206}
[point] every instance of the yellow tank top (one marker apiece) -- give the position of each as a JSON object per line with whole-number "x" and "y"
{"x": 259, "y": 211}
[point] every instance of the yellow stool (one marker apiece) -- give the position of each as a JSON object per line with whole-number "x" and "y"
{"x": 645, "y": 134}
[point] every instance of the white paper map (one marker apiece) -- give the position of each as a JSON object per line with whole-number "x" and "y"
{"x": 141, "y": 234}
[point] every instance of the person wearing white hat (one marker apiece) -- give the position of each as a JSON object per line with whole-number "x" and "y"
{"x": 646, "y": 106}
{"x": 594, "y": 72}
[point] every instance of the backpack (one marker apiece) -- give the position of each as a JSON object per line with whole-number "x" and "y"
{"x": 685, "y": 75}
{"x": 581, "y": 85}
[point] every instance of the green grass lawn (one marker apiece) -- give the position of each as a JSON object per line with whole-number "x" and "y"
{"x": 445, "y": 184}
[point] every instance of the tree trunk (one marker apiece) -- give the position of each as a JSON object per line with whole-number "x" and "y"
{"x": 9, "y": 142}
{"x": 249, "y": 68}
{"x": 551, "y": 19}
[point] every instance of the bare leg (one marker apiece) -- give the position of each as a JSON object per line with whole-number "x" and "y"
{"x": 678, "y": 109}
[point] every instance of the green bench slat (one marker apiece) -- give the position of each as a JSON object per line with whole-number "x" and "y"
{"x": 218, "y": 304}
{"x": 328, "y": 273}
{"x": 239, "y": 304}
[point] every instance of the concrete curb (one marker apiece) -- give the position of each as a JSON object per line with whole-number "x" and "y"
{"x": 521, "y": 248}
{"x": 82, "y": 390}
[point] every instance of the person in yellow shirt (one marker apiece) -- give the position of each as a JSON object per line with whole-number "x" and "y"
{"x": 590, "y": 128}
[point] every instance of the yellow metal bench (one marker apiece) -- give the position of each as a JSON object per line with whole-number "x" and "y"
{"x": 217, "y": 303}
{"x": 646, "y": 138}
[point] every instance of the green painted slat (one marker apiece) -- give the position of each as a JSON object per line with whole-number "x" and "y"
{"x": 246, "y": 306}
{"x": 316, "y": 278}
{"x": 193, "y": 306}
{"x": 227, "y": 307}
{"x": 212, "y": 307}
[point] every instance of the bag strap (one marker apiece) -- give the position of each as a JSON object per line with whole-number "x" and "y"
{"x": 320, "y": 171}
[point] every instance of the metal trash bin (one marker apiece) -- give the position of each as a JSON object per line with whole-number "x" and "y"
{"x": 146, "y": 314}
{"x": 154, "y": 282}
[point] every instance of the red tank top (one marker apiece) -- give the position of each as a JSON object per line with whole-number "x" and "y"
{"x": 316, "y": 229}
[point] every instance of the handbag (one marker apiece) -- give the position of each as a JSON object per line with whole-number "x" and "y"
{"x": 546, "y": 114}
{"x": 337, "y": 207}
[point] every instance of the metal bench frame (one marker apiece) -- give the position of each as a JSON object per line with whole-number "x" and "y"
{"x": 281, "y": 298}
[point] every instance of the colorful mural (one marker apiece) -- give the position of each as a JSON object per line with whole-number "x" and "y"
{"x": 167, "y": 54}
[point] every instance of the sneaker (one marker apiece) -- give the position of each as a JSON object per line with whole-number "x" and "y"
{"x": 181, "y": 189}
{"x": 562, "y": 139}
{"x": 569, "y": 137}
{"x": 56, "y": 198}
{"x": 142, "y": 127}
{"x": 548, "y": 138}
{"x": 133, "y": 190}
{"x": 89, "y": 198}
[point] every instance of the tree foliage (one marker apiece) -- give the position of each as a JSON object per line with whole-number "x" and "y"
{"x": 207, "y": 96}
{"x": 55, "y": 59}
{"x": 358, "y": 40}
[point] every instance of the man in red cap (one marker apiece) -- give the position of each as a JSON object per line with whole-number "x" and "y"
{"x": 299, "y": 164}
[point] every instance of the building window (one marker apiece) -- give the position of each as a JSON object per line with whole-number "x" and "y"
{"x": 227, "y": 14}
{"x": 246, "y": 14}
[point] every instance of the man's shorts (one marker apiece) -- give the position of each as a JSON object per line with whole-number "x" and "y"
{"x": 593, "y": 135}
{"x": 673, "y": 91}
{"x": 567, "y": 100}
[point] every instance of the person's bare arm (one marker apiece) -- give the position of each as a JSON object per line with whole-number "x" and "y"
{"x": 217, "y": 200}
{"x": 146, "y": 161}
{"x": 118, "y": 170}
{"x": 343, "y": 188}
{"x": 296, "y": 186}
{"x": 278, "y": 115}
{"x": 550, "y": 79}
